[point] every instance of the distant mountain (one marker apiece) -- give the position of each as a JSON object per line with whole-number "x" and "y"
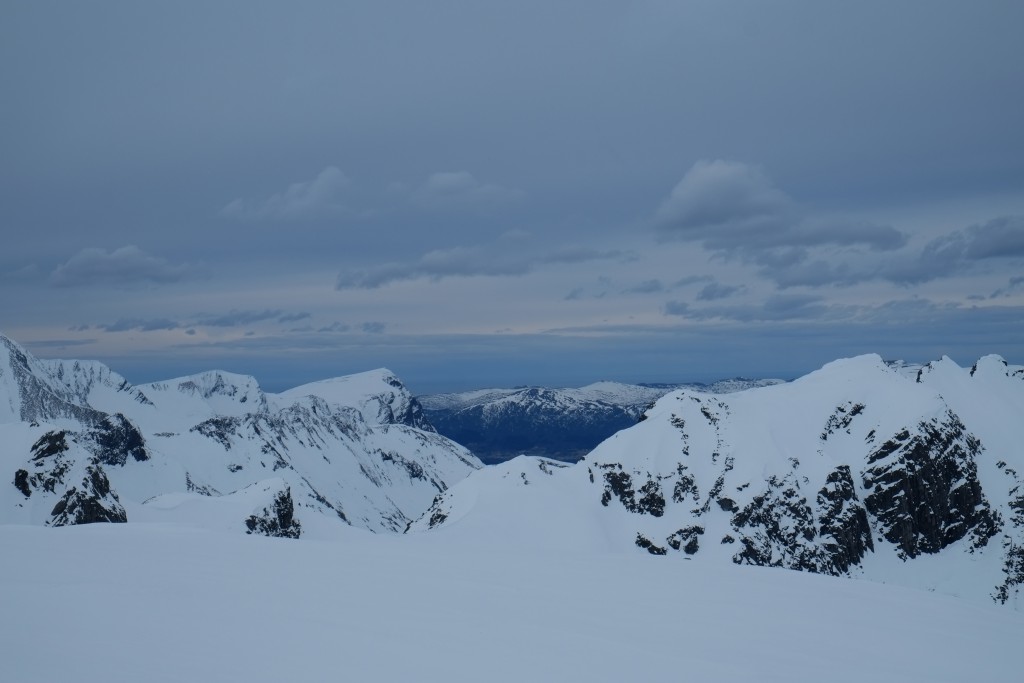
{"x": 561, "y": 424}
{"x": 80, "y": 444}
{"x": 894, "y": 473}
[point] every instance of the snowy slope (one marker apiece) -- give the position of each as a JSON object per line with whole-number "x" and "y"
{"x": 857, "y": 469}
{"x": 354, "y": 449}
{"x": 188, "y": 605}
{"x": 564, "y": 424}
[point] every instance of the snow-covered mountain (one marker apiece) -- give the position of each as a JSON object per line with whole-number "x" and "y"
{"x": 862, "y": 468}
{"x": 561, "y": 424}
{"x": 81, "y": 444}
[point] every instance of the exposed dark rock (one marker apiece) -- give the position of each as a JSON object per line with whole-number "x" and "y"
{"x": 717, "y": 487}
{"x": 117, "y": 439}
{"x": 220, "y": 429}
{"x": 728, "y": 504}
{"x": 93, "y": 502}
{"x": 777, "y": 528}
{"x": 50, "y": 444}
{"x": 843, "y": 522}
{"x": 924, "y": 488}
{"x": 646, "y": 543}
{"x": 841, "y": 419}
{"x": 201, "y": 489}
{"x": 1013, "y": 562}
{"x": 685, "y": 485}
{"x": 277, "y": 519}
{"x": 620, "y": 484}
{"x": 21, "y": 482}
{"x": 686, "y": 539}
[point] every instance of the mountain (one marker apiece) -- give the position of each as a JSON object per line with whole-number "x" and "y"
{"x": 81, "y": 444}
{"x": 561, "y": 424}
{"x": 861, "y": 469}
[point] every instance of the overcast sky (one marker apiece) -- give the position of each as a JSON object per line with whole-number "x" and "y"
{"x": 477, "y": 194}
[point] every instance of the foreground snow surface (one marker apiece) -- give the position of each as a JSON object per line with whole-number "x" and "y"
{"x": 153, "y": 602}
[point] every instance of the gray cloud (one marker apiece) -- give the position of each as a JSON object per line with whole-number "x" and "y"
{"x": 692, "y": 280}
{"x": 319, "y": 197}
{"x": 294, "y": 317}
{"x": 999, "y": 238}
{"x": 716, "y": 290}
{"x": 460, "y": 190}
{"x": 646, "y": 287}
{"x": 734, "y": 210}
{"x": 777, "y": 308}
{"x": 373, "y": 327}
{"x": 1012, "y": 285}
{"x": 140, "y": 325}
{"x": 335, "y": 327}
{"x": 718, "y": 201}
{"x": 235, "y": 318}
{"x": 513, "y": 254}
{"x": 121, "y": 267}
{"x": 734, "y": 207}
{"x": 819, "y": 273}
{"x": 24, "y": 273}
{"x": 961, "y": 251}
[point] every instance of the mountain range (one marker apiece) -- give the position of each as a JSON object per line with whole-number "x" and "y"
{"x": 81, "y": 444}
{"x": 867, "y": 469}
{"x": 560, "y": 424}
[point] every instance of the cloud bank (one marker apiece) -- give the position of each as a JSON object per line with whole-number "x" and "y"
{"x": 323, "y": 196}
{"x": 121, "y": 267}
{"x": 513, "y": 254}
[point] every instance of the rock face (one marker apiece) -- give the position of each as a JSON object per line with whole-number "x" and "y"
{"x": 858, "y": 469}
{"x": 560, "y": 424}
{"x": 78, "y": 439}
{"x": 925, "y": 493}
{"x": 276, "y": 519}
{"x": 64, "y": 474}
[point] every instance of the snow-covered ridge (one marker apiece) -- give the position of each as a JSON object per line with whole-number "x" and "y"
{"x": 81, "y": 444}
{"x": 859, "y": 469}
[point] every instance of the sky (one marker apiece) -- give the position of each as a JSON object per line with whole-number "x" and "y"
{"x": 481, "y": 194}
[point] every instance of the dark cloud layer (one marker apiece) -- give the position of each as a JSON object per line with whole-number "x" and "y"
{"x": 513, "y": 254}
{"x": 733, "y": 207}
{"x": 121, "y": 267}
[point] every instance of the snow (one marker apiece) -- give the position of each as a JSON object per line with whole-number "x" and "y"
{"x": 160, "y": 603}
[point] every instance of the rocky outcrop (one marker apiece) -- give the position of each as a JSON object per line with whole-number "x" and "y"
{"x": 116, "y": 440}
{"x": 276, "y": 519}
{"x": 844, "y": 530}
{"x": 91, "y": 500}
{"x": 924, "y": 488}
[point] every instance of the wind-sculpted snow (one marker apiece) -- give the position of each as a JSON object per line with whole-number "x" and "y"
{"x": 860, "y": 469}
{"x": 80, "y": 445}
{"x": 563, "y": 424}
